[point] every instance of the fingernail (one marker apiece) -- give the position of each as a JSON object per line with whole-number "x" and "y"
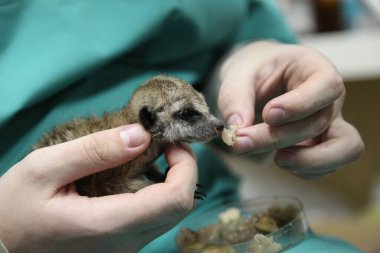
{"x": 235, "y": 120}
{"x": 243, "y": 144}
{"x": 286, "y": 158}
{"x": 276, "y": 115}
{"x": 133, "y": 136}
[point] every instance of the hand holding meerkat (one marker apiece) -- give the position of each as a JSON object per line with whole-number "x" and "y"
{"x": 169, "y": 108}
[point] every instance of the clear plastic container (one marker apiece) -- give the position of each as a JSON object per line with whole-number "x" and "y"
{"x": 288, "y": 235}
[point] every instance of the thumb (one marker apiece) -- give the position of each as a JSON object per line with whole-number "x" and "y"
{"x": 69, "y": 161}
{"x": 236, "y": 100}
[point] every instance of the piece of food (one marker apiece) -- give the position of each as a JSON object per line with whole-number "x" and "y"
{"x": 264, "y": 244}
{"x": 229, "y": 135}
{"x": 266, "y": 224}
{"x": 230, "y": 215}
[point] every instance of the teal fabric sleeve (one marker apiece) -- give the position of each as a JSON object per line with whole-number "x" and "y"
{"x": 65, "y": 59}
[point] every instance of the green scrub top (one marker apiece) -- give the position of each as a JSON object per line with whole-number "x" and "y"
{"x": 65, "y": 59}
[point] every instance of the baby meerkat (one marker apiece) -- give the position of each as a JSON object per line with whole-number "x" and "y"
{"x": 169, "y": 108}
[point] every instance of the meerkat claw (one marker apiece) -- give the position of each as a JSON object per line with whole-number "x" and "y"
{"x": 197, "y": 197}
{"x": 199, "y": 186}
{"x": 199, "y": 194}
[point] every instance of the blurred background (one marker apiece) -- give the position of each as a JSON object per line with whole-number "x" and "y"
{"x": 345, "y": 204}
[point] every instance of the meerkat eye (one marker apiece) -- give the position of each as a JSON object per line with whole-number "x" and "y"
{"x": 187, "y": 114}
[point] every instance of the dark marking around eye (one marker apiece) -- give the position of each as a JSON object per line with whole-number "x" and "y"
{"x": 147, "y": 117}
{"x": 188, "y": 114}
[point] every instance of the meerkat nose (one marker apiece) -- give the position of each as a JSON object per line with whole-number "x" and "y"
{"x": 219, "y": 128}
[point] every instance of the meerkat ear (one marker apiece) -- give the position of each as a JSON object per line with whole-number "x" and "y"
{"x": 147, "y": 117}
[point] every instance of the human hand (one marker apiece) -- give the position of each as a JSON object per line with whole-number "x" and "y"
{"x": 41, "y": 211}
{"x": 288, "y": 99}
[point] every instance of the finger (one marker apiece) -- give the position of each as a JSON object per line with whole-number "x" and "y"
{"x": 64, "y": 163}
{"x": 180, "y": 157}
{"x": 158, "y": 204}
{"x": 342, "y": 146}
{"x": 236, "y": 98}
{"x": 318, "y": 91}
{"x": 263, "y": 138}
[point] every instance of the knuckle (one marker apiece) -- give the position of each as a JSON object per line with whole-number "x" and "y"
{"x": 96, "y": 151}
{"x": 275, "y": 139}
{"x": 337, "y": 85}
{"x": 300, "y": 104}
{"x": 31, "y": 166}
{"x": 183, "y": 203}
{"x": 320, "y": 125}
{"x": 358, "y": 149}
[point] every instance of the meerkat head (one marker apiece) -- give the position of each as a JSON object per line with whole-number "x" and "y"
{"x": 173, "y": 111}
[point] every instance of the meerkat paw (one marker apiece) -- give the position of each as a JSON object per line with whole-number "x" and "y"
{"x": 199, "y": 194}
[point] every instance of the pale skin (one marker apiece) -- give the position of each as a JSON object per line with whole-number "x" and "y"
{"x": 40, "y": 210}
{"x": 288, "y": 99}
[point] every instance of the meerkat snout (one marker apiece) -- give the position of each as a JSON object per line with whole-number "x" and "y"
{"x": 219, "y": 128}
{"x": 218, "y": 125}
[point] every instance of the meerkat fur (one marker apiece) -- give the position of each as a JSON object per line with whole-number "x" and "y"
{"x": 169, "y": 108}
